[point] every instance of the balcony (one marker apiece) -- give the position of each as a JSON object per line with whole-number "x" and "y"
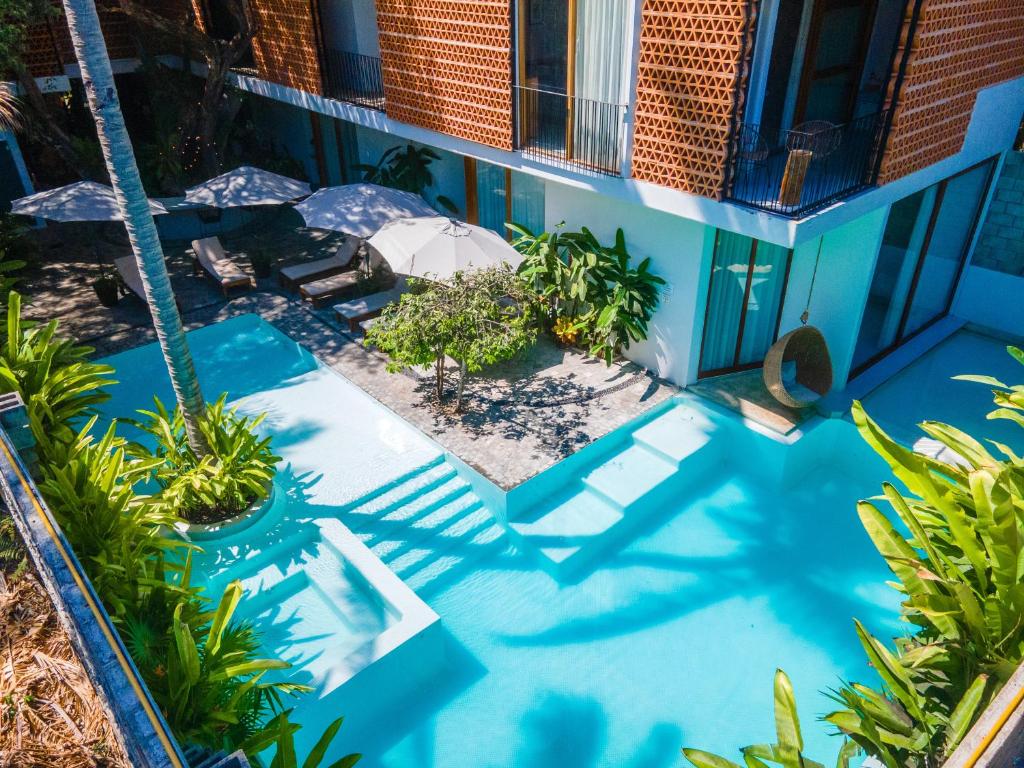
{"x": 810, "y": 167}
{"x": 355, "y": 78}
{"x": 570, "y": 132}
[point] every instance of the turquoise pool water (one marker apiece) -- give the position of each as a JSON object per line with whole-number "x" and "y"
{"x": 669, "y": 637}
{"x": 926, "y": 390}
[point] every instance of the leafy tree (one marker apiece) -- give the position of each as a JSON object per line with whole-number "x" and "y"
{"x": 198, "y": 135}
{"x": 477, "y": 318}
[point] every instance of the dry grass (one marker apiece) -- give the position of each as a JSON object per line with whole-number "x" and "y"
{"x": 50, "y": 716}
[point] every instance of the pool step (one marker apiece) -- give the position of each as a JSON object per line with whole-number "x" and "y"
{"x": 463, "y": 539}
{"x": 608, "y": 501}
{"x": 432, "y": 522}
{"x": 397, "y": 495}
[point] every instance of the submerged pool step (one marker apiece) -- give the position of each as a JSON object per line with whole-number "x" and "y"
{"x": 431, "y": 520}
{"x": 607, "y": 501}
{"x": 475, "y": 520}
{"x": 434, "y": 573}
{"x": 397, "y": 495}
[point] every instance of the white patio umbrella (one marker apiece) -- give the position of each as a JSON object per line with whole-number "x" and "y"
{"x": 81, "y": 201}
{"x": 360, "y": 209}
{"x": 246, "y": 186}
{"x": 437, "y": 247}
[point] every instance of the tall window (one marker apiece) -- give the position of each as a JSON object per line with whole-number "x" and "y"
{"x": 500, "y": 194}
{"x": 748, "y": 285}
{"x": 923, "y": 251}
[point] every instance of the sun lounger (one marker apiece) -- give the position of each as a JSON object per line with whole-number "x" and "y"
{"x": 128, "y": 269}
{"x": 323, "y": 290}
{"x": 355, "y": 311}
{"x": 346, "y": 257}
{"x": 210, "y": 256}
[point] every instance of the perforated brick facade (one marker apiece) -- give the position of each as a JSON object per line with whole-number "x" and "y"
{"x": 448, "y": 66}
{"x": 960, "y": 46}
{"x": 693, "y": 60}
{"x": 286, "y": 48}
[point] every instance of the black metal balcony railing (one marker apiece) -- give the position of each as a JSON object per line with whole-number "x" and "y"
{"x": 569, "y": 131}
{"x": 810, "y": 167}
{"x": 354, "y": 78}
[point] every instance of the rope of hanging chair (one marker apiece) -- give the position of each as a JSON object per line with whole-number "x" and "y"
{"x": 814, "y": 276}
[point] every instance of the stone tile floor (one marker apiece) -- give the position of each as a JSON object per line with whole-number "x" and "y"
{"x": 520, "y": 417}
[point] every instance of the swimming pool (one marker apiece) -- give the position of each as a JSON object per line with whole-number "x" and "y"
{"x": 668, "y": 635}
{"x": 926, "y": 390}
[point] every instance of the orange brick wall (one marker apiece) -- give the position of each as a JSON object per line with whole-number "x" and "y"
{"x": 693, "y": 55}
{"x": 448, "y": 66}
{"x": 286, "y": 47}
{"x": 50, "y": 48}
{"x": 960, "y": 46}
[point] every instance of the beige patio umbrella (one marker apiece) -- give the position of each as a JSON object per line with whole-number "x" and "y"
{"x": 436, "y": 247}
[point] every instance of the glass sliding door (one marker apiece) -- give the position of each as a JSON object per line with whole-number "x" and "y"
{"x": 923, "y": 251}
{"x": 504, "y": 195}
{"x": 962, "y": 196}
{"x": 748, "y": 286}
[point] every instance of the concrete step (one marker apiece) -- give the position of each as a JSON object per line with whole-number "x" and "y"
{"x": 396, "y": 495}
{"x": 459, "y": 533}
{"x": 561, "y": 531}
{"x": 429, "y": 521}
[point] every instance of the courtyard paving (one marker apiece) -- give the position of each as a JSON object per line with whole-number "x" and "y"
{"x": 520, "y": 417}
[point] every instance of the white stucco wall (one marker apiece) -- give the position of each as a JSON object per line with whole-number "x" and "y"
{"x": 680, "y": 251}
{"x": 844, "y": 275}
{"x": 351, "y": 25}
{"x": 992, "y": 299}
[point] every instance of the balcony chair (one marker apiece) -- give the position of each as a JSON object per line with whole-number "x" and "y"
{"x": 211, "y": 256}
{"x": 346, "y": 257}
{"x": 798, "y": 368}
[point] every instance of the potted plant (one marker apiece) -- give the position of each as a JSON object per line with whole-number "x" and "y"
{"x": 262, "y": 263}
{"x": 107, "y": 287}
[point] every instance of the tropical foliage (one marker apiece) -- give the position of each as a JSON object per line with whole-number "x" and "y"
{"x": 591, "y": 293}
{"x": 477, "y": 318}
{"x": 406, "y": 168}
{"x": 235, "y": 474}
{"x": 952, "y": 534}
{"x": 201, "y": 663}
{"x": 787, "y": 750}
{"x": 54, "y": 376}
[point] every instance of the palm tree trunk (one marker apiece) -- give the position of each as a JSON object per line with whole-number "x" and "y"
{"x": 98, "y": 80}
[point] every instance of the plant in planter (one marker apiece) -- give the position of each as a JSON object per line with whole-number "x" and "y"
{"x": 235, "y": 475}
{"x": 262, "y": 260}
{"x": 107, "y": 287}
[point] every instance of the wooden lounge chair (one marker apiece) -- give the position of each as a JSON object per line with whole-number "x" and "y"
{"x": 345, "y": 258}
{"x": 356, "y": 311}
{"x": 321, "y": 291}
{"x": 210, "y": 255}
{"x": 798, "y": 368}
{"x": 128, "y": 269}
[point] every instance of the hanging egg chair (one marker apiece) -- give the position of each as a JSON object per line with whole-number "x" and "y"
{"x": 798, "y": 368}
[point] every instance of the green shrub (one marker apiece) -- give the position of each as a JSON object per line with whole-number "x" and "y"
{"x": 406, "y": 168}
{"x": 477, "y": 318}
{"x": 56, "y": 380}
{"x": 236, "y": 474}
{"x": 589, "y": 292}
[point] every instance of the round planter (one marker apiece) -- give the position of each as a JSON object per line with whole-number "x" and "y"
{"x": 232, "y": 525}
